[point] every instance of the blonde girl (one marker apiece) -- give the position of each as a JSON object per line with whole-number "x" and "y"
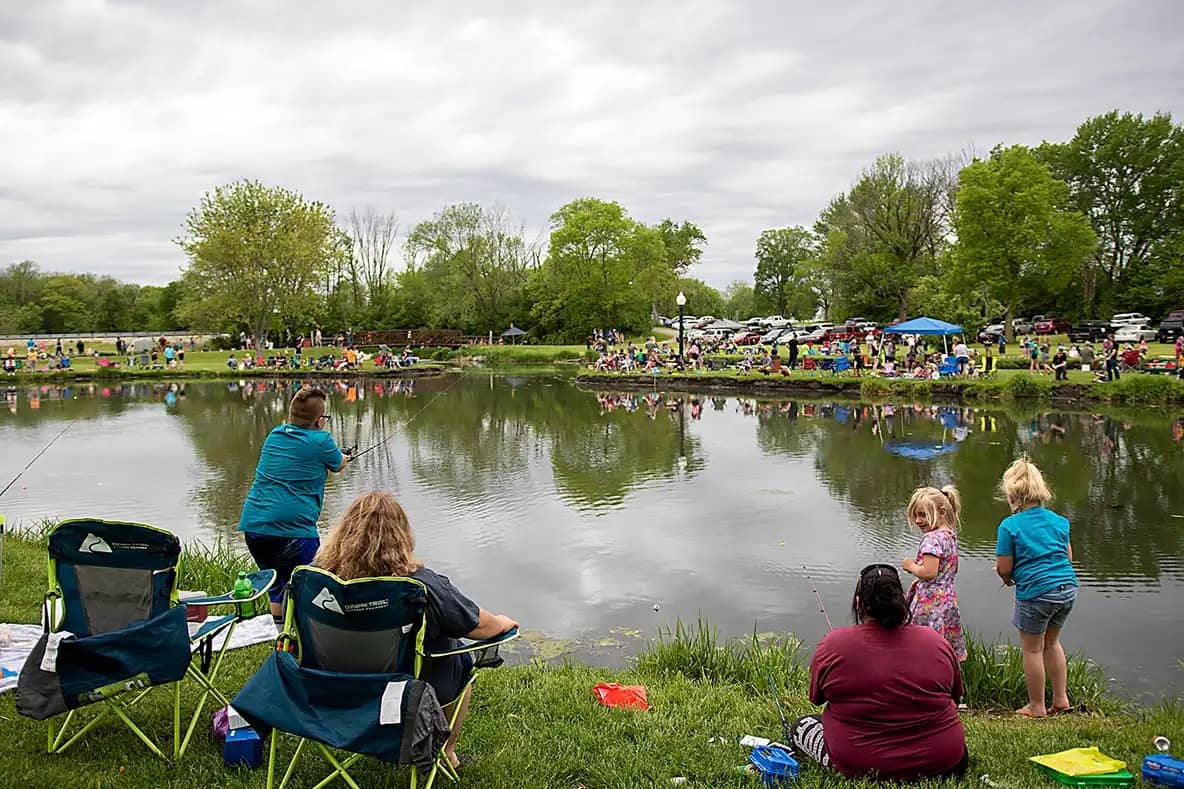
{"x": 1033, "y": 554}
{"x": 933, "y": 600}
{"x": 374, "y": 539}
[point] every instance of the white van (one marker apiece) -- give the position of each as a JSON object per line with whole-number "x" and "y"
{"x": 1129, "y": 319}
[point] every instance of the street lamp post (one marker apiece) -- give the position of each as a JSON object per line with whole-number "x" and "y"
{"x": 681, "y": 301}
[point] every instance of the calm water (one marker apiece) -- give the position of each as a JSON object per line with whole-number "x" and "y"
{"x": 578, "y": 512}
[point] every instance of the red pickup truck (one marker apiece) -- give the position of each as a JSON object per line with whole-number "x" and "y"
{"x": 1052, "y": 326}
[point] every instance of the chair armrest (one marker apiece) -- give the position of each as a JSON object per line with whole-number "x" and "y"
{"x": 261, "y": 583}
{"x": 476, "y": 646}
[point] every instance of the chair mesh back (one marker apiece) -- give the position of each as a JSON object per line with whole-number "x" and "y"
{"x": 352, "y": 651}
{"x": 112, "y": 574}
{"x": 365, "y": 626}
{"x": 113, "y": 597}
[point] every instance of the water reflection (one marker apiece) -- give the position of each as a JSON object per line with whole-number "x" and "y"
{"x": 577, "y": 510}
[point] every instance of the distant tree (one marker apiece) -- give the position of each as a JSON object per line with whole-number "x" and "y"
{"x": 474, "y": 264}
{"x": 255, "y": 254}
{"x": 603, "y": 269}
{"x": 739, "y": 300}
{"x": 65, "y": 304}
{"x": 887, "y": 231}
{"x": 372, "y": 235}
{"x": 1016, "y": 231}
{"x": 782, "y": 255}
{"x": 1126, "y": 174}
{"x": 702, "y": 299}
{"x": 683, "y": 243}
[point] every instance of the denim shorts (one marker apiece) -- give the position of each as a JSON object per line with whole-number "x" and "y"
{"x": 1050, "y": 609}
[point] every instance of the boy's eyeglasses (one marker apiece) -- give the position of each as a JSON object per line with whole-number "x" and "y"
{"x": 324, "y": 416}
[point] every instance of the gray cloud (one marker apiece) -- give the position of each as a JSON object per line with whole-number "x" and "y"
{"x": 116, "y": 117}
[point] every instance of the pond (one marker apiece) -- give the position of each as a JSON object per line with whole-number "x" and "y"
{"x": 593, "y": 517}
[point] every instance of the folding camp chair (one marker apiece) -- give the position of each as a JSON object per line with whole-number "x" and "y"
{"x": 345, "y": 676}
{"x": 841, "y": 365}
{"x": 114, "y": 629}
{"x": 949, "y": 366}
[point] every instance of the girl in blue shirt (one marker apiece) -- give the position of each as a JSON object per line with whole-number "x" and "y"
{"x": 1033, "y": 554}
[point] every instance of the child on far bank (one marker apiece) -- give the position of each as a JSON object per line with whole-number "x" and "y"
{"x": 933, "y": 601}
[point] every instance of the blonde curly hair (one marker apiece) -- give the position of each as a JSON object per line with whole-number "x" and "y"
{"x": 941, "y": 508}
{"x": 373, "y": 539}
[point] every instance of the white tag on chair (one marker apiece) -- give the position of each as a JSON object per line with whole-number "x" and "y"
{"x": 49, "y": 661}
{"x": 407, "y": 627}
{"x": 391, "y": 710}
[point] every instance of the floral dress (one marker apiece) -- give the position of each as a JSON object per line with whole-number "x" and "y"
{"x": 935, "y": 603}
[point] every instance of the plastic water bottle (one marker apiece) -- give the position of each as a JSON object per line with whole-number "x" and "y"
{"x": 242, "y": 586}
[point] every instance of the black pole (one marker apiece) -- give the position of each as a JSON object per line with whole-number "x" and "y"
{"x": 680, "y": 357}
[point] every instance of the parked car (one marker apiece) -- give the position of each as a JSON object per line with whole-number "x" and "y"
{"x": 1172, "y": 326}
{"x": 991, "y": 333}
{"x": 1021, "y": 326}
{"x": 1134, "y": 333}
{"x": 770, "y": 337}
{"x": 814, "y": 332}
{"x": 1089, "y": 331}
{"x": 775, "y": 322}
{"x": 1052, "y": 326}
{"x": 754, "y": 323}
{"x": 747, "y": 337}
{"x": 788, "y": 333}
{"x": 1129, "y": 318}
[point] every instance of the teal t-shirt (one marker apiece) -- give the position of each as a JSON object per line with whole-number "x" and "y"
{"x": 1039, "y": 541}
{"x": 289, "y": 487}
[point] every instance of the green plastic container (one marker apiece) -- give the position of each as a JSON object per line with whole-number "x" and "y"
{"x": 1120, "y": 778}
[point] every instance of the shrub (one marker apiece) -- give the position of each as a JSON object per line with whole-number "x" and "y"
{"x": 874, "y": 388}
{"x": 993, "y": 675}
{"x": 1146, "y": 389}
{"x": 695, "y": 651}
{"x": 1025, "y": 387}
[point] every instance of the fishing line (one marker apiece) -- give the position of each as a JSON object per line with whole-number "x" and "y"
{"x": 818, "y": 597}
{"x": 35, "y": 457}
{"x": 377, "y": 444}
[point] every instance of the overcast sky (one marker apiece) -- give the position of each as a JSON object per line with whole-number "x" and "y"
{"x": 116, "y": 117}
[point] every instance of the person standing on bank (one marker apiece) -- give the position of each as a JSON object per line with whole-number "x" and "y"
{"x": 1033, "y": 554}
{"x": 282, "y": 509}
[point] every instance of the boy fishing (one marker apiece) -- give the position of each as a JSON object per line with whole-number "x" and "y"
{"x": 280, "y": 514}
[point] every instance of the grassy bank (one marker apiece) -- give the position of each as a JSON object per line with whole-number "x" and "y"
{"x": 537, "y": 725}
{"x": 1003, "y": 386}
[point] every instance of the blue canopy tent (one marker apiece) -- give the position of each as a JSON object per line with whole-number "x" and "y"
{"x": 925, "y": 325}
{"x": 919, "y": 450}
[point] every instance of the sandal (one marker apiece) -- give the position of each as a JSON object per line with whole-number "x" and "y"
{"x": 1061, "y": 710}
{"x": 1024, "y": 712}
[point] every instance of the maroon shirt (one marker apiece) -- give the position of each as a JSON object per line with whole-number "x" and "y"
{"x": 891, "y": 701}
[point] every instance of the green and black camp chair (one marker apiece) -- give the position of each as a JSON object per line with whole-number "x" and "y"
{"x": 345, "y": 676}
{"x": 114, "y": 629}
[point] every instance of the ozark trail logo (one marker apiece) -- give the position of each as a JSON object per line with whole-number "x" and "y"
{"x": 94, "y": 544}
{"x": 327, "y": 601}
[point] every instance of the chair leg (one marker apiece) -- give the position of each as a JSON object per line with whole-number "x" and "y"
{"x": 132, "y": 725}
{"x": 340, "y": 769}
{"x": 291, "y": 764}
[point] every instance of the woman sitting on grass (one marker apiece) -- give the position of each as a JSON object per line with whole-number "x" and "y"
{"x": 374, "y": 539}
{"x": 890, "y": 690}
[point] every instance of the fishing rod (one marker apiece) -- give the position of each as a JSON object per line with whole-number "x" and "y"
{"x": 35, "y": 457}
{"x": 379, "y": 443}
{"x": 818, "y": 597}
{"x": 785, "y": 732}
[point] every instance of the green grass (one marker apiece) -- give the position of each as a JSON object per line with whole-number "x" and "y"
{"x": 538, "y": 725}
{"x": 503, "y": 355}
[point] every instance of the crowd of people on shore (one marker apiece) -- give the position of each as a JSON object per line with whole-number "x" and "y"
{"x": 885, "y": 355}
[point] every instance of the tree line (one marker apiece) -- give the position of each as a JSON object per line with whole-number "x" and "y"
{"x": 1080, "y": 228}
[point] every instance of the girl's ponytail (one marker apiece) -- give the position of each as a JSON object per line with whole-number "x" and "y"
{"x": 955, "y": 500}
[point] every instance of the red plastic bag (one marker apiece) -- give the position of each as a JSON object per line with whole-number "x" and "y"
{"x": 614, "y": 694}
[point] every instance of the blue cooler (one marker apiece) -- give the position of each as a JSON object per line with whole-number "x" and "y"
{"x": 1163, "y": 770}
{"x": 776, "y": 765}
{"x": 243, "y": 747}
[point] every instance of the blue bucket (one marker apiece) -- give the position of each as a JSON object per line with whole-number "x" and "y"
{"x": 776, "y": 765}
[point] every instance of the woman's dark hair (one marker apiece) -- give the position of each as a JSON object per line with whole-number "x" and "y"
{"x": 880, "y": 596}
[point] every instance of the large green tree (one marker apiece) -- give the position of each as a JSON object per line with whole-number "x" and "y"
{"x": 474, "y": 263}
{"x": 739, "y": 300}
{"x": 886, "y": 232}
{"x": 603, "y": 269}
{"x": 1017, "y": 233}
{"x": 255, "y": 254}
{"x": 702, "y": 299}
{"x": 1126, "y": 173}
{"x": 782, "y": 255}
{"x": 684, "y": 243}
